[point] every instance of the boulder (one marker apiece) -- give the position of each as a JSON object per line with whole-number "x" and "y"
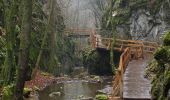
{"x": 54, "y": 94}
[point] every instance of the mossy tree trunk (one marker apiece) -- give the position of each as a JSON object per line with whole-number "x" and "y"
{"x": 52, "y": 63}
{"x": 113, "y": 28}
{"x": 24, "y": 48}
{"x": 50, "y": 35}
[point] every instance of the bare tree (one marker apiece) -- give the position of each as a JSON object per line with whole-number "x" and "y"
{"x": 98, "y": 7}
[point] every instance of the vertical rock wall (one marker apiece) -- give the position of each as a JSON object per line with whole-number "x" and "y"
{"x": 147, "y": 21}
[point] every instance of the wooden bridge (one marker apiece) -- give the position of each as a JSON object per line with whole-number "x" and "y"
{"x": 73, "y": 32}
{"x": 129, "y": 82}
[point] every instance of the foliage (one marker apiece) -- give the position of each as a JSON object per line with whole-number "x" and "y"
{"x": 8, "y": 92}
{"x": 162, "y": 55}
{"x": 1, "y": 13}
{"x": 160, "y": 68}
{"x": 101, "y": 97}
{"x": 10, "y": 21}
{"x": 166, "y": 41}
{"x": 2, "y": 50}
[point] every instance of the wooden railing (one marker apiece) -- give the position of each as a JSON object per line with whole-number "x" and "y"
{"x": 118, "y": 79}
{"x": 131, "y": 49}
{"x": 93, "y": 40}
{"x": 135, "y": 45}
{"x": 74, "y": 31}
{"x": 150, "y": 47}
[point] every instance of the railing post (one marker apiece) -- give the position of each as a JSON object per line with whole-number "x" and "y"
{"x": 142, "y": 47}
{"x": 121, "y": 83}
{"x": 91, "y": 40}
{"x": 97, "y": 40}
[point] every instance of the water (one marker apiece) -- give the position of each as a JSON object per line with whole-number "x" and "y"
{"x": 74, "y": 90}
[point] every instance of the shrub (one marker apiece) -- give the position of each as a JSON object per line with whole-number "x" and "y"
{"x": 8, "y": 92}
{"x": 162, "y": 55}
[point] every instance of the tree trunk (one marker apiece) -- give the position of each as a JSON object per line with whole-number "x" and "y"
{"x": 50, "y": 30}
{"x": 52, "y": 36}
{"x": 24, "y": 49}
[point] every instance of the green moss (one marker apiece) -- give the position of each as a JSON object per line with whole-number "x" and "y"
{"x": 162, "y": 55}
{"x": 166, "y": 41}
{"x": 160, "y": 69}
{"x": 97, "y": 62}
{"x": 27, "y": 92}
{"x": 156, "y": 90}
{"x": 8, "y": 92}
{"x": 101, "y": 97}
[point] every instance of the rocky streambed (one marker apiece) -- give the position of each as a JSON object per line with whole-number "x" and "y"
{"x": 77, "y": 89}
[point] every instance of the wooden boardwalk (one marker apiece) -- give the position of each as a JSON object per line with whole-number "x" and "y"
{"x": 135, "y": 86}
{"x": 129, "y": 82}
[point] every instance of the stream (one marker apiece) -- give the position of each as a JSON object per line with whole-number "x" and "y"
{"x": 76, "y": 90}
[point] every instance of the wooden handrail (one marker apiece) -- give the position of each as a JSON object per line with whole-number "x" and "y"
{"x": 118, "y": 79}
{"x": 143, "y": 46}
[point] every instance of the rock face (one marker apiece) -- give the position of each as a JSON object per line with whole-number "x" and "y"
{"x": 146, "y": 26}
{"x": 145, "y": 21}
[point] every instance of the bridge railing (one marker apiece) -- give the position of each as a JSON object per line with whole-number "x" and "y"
{"x": 142, "y": 46}
{"x": 150, "y": 47}
{"x": 118, "y": 79}
{"x": 99, "y": 42}
{"x": 137, "y": 47}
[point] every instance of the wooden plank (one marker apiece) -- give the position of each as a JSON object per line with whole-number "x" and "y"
{"x": 135, "y": 85}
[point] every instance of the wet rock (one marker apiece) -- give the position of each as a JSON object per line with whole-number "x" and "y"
{"x": 82, "y": 97}
{"x": 100, "y": 92}
{"x": 95, "y": 79}
{"x": 53, "y": 94}
{"x": 107, "y": 90}
{"x": 88, "y": 98}
{"x": 34, "y": 96}
{"x": 98, "y": 79}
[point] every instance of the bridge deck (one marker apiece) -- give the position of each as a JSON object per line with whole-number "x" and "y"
{"x": 135, "y": 85}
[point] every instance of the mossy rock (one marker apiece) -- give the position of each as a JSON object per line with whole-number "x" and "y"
{"x": 27, "y": 92}
{"x": 101, "y": 97}
{"x": 166, "y": 41}
{"x": 98, "y": 61}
